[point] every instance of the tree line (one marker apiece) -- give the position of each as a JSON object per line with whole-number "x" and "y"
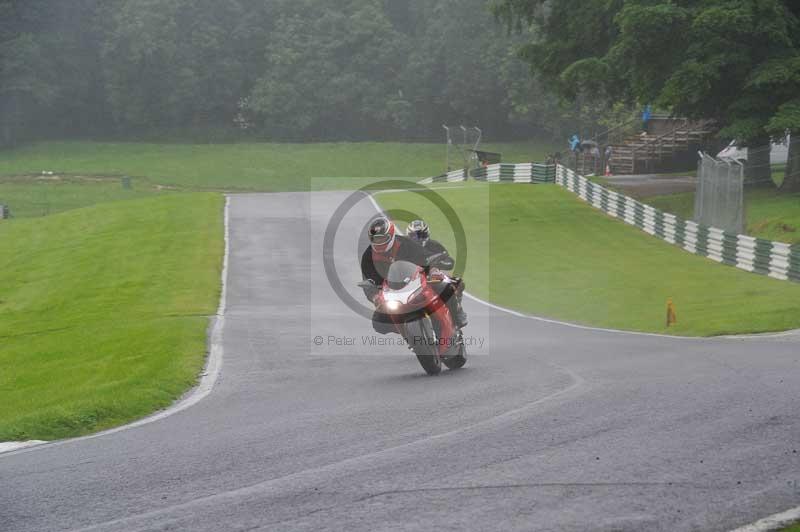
{"x": 267, "y": 69}
{"x": 394, "y": 69}
{"x": 734, "y": 61}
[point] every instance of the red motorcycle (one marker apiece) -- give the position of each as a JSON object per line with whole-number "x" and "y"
{"x": 411, "y": 304}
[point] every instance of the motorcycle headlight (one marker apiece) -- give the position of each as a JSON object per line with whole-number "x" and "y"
{"x": 392, "y": 305}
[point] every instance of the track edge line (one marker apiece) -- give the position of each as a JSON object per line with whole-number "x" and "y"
{"x": 791, "y": 332}
{"x": 208, "y": 376}
{"x": 773, "y": 522}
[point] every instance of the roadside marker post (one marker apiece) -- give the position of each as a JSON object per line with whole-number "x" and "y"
{"x": 672, "y": 317}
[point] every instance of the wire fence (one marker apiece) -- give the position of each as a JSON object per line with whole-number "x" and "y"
{"x": 763, "y": 165}
{"x": 719, "y": 199}
{"x": 461, "y": 143}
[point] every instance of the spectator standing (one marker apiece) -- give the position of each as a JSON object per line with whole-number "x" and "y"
{"x": 608, "y": 154}
{"x": 575, "y": 148}
{"x": 596, "y": 162}
{"x": 646, "y": 114}
{"x": 575, "y": 143}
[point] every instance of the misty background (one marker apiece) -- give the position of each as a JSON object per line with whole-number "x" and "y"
{"x": 288, "y": 70}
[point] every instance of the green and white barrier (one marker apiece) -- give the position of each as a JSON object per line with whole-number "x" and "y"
{"x": 516, "y": 173}
{"x": 450, "y": 177}
{"x": 776, "y": 259}
{"x": 495, "y": 173}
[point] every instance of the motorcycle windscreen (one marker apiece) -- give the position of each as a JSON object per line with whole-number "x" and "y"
{"x": 400, "y": 274}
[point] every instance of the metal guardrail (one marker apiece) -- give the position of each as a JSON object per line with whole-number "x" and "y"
{"x": 654, "y": 144}
{"x": 516, "y": 173}
{"x": 774, "y": 259}
{"x": 495, "y": 173}
{"x": 666, "y": 144}
{"x": 450, "y": 177}
{"x": 619, "y": 128}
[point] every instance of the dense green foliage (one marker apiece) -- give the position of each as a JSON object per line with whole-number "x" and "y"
{"x": 277, "y": 69}
{"x": 597, "y": 270}
{"x": 104, "y": 312}
{"x": 734, "y": 61}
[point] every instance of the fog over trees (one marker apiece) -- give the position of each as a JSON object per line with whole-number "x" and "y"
{"x": 263, "y": 69}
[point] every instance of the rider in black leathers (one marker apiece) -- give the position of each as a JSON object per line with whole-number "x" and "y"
{"x": 387, "y": 247}
{"x": 419, "y": 231}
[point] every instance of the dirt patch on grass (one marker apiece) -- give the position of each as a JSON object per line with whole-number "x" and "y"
{"x": 781, "y": 231}
{"x": 643, "y": 186}
{"x": 56, "y": 178}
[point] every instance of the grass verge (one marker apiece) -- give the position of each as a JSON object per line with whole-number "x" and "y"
{"x": 770, "y": 214}
{"x": 545, "y": 252}
{"x": 103, "y": 312}
{"x": 41, "y": 196}
{"x": 254, "y": 166}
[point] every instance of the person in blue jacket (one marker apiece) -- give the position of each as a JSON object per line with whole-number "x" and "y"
{"x": 646, "y": 114}
{"x": 575, "y": 143}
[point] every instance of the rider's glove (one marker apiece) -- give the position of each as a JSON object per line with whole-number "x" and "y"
{"x": 371, "y": 291}
{"x": 437, "y": 275}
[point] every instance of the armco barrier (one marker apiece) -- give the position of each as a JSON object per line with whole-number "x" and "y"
{"x": 450, "y": 177}
{"x": 516, "y": 173}
{"x": 776, "y": 259}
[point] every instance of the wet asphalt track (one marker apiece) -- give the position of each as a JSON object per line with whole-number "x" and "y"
{"x": 547, "y": 428}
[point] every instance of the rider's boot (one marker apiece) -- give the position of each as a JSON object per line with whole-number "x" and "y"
{"x": 457, "y": 311}
{"x": 461, "y": 316}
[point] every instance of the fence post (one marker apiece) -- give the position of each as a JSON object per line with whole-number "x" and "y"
{"x": 742, "y": 203}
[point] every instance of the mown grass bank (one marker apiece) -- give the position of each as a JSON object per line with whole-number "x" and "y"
{"x": 540, "y": 250}
{"x": 42, "y": 196}
{"x": 769, "y": 214}
{"x": 103, "y": 312}
{"x": 249, "y": 166}
{"x": 104, "y": 302}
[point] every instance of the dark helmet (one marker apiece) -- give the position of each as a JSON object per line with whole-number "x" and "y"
{"x": 381, "y": 234}
{"x": 418, "y": 231}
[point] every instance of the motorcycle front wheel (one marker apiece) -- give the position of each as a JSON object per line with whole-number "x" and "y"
{"x": 421, "y": 339}
{"x": 457, "y": 361}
